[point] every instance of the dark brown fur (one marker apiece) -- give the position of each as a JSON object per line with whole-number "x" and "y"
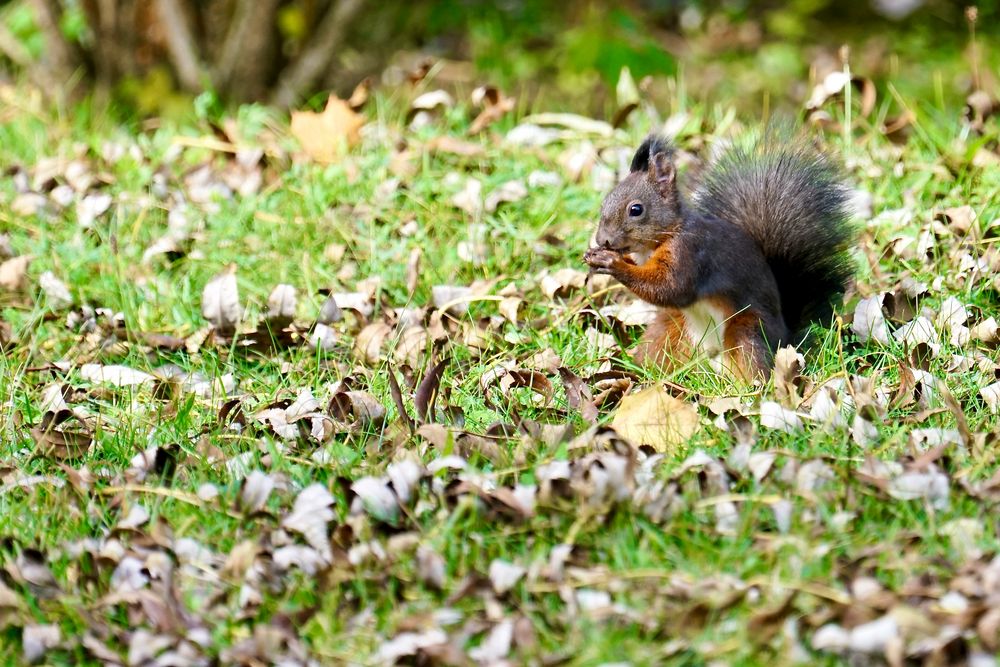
{"x": 782, "y": 238}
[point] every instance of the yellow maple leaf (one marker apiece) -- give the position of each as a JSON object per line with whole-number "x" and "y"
{"x": 325, "y": 136}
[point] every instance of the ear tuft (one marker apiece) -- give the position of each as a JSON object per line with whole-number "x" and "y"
{"x": 651, "y": 146}
{"x": 662, "y": 174}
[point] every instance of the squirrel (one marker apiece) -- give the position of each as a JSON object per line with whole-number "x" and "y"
{"x": 760, "y": 253}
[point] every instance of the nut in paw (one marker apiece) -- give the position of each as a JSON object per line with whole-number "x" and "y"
{"x": 602, "y": 260}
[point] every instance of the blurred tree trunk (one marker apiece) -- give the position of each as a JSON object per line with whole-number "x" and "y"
{"x": 231, "y": 46}
{"x": 307, "y": 69}
{"x": 251, "y": 30}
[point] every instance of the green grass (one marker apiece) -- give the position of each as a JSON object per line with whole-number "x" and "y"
{"x": 689, "y": 594}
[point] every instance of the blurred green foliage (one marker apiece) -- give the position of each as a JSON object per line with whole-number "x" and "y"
{"x": 570, "y": 54}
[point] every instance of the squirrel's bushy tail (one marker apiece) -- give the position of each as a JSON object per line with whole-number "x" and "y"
{"x": 793, "y": 201}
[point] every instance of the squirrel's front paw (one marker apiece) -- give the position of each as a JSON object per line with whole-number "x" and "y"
{"x": 603, "y": 260}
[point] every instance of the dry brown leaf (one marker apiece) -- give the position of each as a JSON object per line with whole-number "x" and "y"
{"x": 281, "y": 305}
{"x": 360, "y": 94}
{"x": 449, "y": 144}
{"x": 369, "y": 341}
{"x": 494, "y": 106}
{"x": 220, "y": 302}
{"x": 788, "y": 365}
{"x": 56, "y": 438}
{"x": 325, "y": 136}
{"x": 55, "y": 290}
{"x": 309, "y": 517}
{"x": 356, "y": 409}
{"x": 114, "y": 375}
{"x": 14, "y": 272}
{"x": 869, "y": 322}
{"x": 655, "y": 418}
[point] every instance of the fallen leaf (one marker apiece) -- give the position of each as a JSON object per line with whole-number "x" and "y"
{"x": 504, "y": 575}
{"x": 220, "y": 302}
{"x": 511, "y": 191}
{"x": 430, "y": 567}
{"x": 496, "y": 646}
{"x": 574, "y": 122}
{"x": 309, "y": 517}
{"x": 255, "y": 491}
{"x": 281, "y": 305}
{"x": 655, "y": 418}
{"x": 62, "y": 435}
{"x": 869, "y": 322}
{"x": 325, "y": 136}
{"x": 494, "y": 105}
{"x": 55, "y": 290}
{"x": 14, "y": 273}
{"x": 408, "y": 644}
{"x": 991, "y": 395}
{"x": 116, "y": 376}
{"x": 773, "y": 415}
{"x": 37, "y": 640}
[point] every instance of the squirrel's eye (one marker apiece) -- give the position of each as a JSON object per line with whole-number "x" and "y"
{"x": 635, "y": 210}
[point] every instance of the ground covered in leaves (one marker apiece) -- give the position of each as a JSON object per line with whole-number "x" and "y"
{"x": 357, "y": 402}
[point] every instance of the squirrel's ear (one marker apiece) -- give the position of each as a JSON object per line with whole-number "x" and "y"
{"x": 662, "y": 173}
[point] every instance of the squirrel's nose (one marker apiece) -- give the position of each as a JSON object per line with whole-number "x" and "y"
{"x": 605, "y": 239}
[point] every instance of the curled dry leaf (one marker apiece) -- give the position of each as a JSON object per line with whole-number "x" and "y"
{"x": 991, "y": 395}
{"x": 986, "y": 331}
{"x": 530, "y": 134}
{"x": 494, "y": 105}
{"x": 62, "y": 435}
{"x": 509, "y": 192}
{"x": 309, "y": 517}
{"x": 376, "y": 498}
{"x": 55, "y": 290}
{"x": 869, "y": 322}
{"x": 92, "y": 207}
{"x": 14, "y": 273}
{"x": 404, "y": 475}
{"x": 413, "y": 270}
{"x": 427, "y": 391}
{"x": 356, "y": 409}
{"x": 788, "y": 365}
{"x": 773, "y": 415}
{"x": 433, "y": 99}
{"x": 430, "y": 567}
{"x": 578, "y": 394}
{"x": 412, "y": 346}
{"x": 562, "y": 282}
{"x": 506, "y": 379}
{"x": 281, "y": 305}
{"x": 322, "y": 337}
{"x": 504, "y": 575}
{"x": 220, "y": 302}
{"x": 369, "y": 342}
{"x": 497, "y": 644}
{"x": 37, "y": 640}
{"x": 470, "y": 197}
{"x": 573, "y": 122}
{"x": 116, "y": 376}
{"x": 255, "y": 491}
{"x": 452, "y": 299}
{"x": 655, "y": 418}
{"x": 920, "y": 330}
{"x": 136, "y": 517}
{"x": 329, "y": 312}
{"x": 409, "y": 644}
{"x": 960, "y": 218}
{"x": 325, "y": 136}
